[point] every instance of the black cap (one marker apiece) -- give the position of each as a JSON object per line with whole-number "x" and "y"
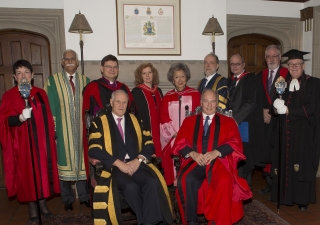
{"x": 294, "y": 54}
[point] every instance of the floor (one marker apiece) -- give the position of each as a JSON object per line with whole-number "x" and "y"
{"x": 14, "y": 213}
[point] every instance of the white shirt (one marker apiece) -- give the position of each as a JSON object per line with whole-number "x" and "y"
{"x": 115, "y": 117}
{"x": 274, "y": 73}
{"x": 210, "y": 118}
{"x": 236, "y": 76}
{"x": 209, "y": 78}
{"x": 73, "y": 79}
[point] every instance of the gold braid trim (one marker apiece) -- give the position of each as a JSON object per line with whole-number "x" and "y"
{"x": 138, "y": 130}
{"x": 163, "y": 183}
{"x": 214, "y": 87}
{"x": 101, "y": 189}
{"x": 111, "y": 209}
{"x": 148, "y": 142}
{"x": 99, "y": 222}
{"x": 222, "y": 99}
{"x": 106, "y": 134}
{"x": 100, "y": 205}
{"x": 94, "y": 135}
{"x": 146, "y": 133}
{"x": 95, "y": 125}
{"x": 221, "y": 88}
{"x": 105, "y": 174}
{"x": 94, "y": 146}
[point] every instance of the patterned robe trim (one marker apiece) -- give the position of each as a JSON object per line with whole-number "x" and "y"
{"x": 105, "y": 192}
{"x": 70, "y": 110}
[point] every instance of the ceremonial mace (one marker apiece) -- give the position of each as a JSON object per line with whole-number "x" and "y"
{"x": 24, "y": 89}
{"x": 280, "y": 86}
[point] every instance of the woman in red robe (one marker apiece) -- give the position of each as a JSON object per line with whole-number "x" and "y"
{"x": 28, "y": 144}
{"x": 173, "y": 112}
{"x": 147, "y": 97}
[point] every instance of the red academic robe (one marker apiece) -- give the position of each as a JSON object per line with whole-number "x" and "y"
{"x": 218, "y": 203}
{"x": 169, "y": 123}
{"x": 99, "y": 92}
{"x": 36, "y": 135}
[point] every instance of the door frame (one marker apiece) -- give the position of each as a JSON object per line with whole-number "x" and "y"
{"x": 47, "y": 22}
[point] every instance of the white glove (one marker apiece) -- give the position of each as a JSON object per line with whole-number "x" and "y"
{"x": 26, "y": 114}
{"x": 282, "y": 110}
{"x": 278, "y": 103}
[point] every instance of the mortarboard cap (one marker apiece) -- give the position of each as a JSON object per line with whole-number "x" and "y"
{"x": 294, "y": 54}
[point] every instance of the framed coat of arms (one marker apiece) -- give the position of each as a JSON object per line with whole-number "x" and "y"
{"x": 147, "y": 27}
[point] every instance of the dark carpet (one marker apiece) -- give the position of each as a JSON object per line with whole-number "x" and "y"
{"x": 256, "y": 213}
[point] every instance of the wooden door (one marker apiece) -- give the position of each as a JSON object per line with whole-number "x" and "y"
{"x": 19, "y": 44}
{"x": 252, "y": 48}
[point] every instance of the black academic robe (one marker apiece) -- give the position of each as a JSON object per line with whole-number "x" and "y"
{"x": 267, "y": 99}
{"x": 97, "y": 95}
{"x": 247, "y": 109}
{"x": 299, "y": 144}
{"x": 104, "y": 144}
{"x": 148, "y": 102}
{"x": 220, "y": 84}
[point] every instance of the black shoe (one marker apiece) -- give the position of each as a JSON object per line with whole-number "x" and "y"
{"x": 303, "y": 207}
{"x": 192, "y": 223}
{"x": 68, "y": 207}
{"x": 265, "y": 190}
{"x": 87, "y": 203}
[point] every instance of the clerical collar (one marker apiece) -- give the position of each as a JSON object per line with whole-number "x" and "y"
{"x": 112, "y": 84}
{"x": 210, "y": 77}
{"x": 205, "y": 115}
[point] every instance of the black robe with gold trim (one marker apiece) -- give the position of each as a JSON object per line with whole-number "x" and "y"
{"x": 106, "y": 204}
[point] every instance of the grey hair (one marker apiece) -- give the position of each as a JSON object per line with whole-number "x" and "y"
{"x": 241, "y": 57}
{"x": 212, "y": 91}
{"x": 69, "y": 50}
{"x": 176, "y": 67}
{"x": 113, "y": 95}
{"x": 214, "y": 55}
{"x": 276, "y": 47}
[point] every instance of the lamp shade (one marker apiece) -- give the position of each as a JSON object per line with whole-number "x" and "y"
{"x": 212, "y": 27}
{"x": 80, "y": 25}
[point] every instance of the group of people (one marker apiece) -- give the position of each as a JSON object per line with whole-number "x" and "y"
{"x": 48, "y": 142}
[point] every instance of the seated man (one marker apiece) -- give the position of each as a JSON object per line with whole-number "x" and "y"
{"x": 208, "y": 181}
{"x": 117, "y": 140}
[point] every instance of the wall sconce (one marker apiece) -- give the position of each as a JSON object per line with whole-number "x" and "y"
{"x": 213, "y": 28}
{"x": 306, "y": 15}
{"x": 80, "y": 25}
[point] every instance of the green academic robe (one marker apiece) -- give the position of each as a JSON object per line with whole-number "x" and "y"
{"x": 66, "y": 111}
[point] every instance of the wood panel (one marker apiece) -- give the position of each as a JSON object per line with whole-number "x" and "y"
{"x": 252, "y": 48}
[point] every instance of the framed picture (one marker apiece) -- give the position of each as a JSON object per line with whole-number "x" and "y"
{"x": 148, "y": 27}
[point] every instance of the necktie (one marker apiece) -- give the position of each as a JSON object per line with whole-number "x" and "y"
{"x": 233, "y": 84}
{"x": 203, "y": 86}
{"x": 120, "y": 128}
{"x": 72, "y": 84}
{"x": 206, "y": 125}
{"x": 270, "y": 81}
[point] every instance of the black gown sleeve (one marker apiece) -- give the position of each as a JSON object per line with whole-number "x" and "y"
{"x": 14, "y": 121}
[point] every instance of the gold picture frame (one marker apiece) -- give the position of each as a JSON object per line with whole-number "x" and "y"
{"x": 146, "y": 27}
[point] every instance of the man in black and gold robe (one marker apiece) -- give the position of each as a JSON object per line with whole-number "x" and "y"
{"x": 125, "y": 151}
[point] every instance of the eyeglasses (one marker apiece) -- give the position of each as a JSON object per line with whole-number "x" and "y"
{"x": 297, "y": 65}
{"x": 272, "y": 56}
{"x": 111, "y": 67}
{"x": 235, "y": 64}
{"x": 69, "y": 59}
